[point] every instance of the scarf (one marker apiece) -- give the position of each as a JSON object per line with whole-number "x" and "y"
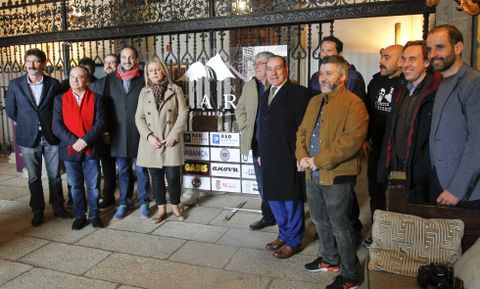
{"x": 129, "y": 74}
{"x": 159, "y": 90}
{"x": 78, "y": 119}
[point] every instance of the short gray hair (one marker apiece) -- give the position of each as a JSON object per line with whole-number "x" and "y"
{"x": 264, "y": 55}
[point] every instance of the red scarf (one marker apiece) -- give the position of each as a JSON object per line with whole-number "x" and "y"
{"x": 129, "y": 74}
{"x": 78, "y": 119}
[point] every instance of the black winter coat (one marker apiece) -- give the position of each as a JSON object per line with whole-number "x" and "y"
{"x": 278, "y": 127}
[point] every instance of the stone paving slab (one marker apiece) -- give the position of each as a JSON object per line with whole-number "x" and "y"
{"x": 204, "y": 254}
{"x": 66, "y": 258}
{"x": 46, "y": 279}
{"x": 4, "y": 177}
{"x": 246, "y": 238}
{"x": 19, "y": 247}
{"x": 154, "y": 274}
{"x": 288, "y": 284}
{"x": 191, "y": 231}
{"x": 262, "y": 262}
{"x": 128, "y": 287}
{"x": 14, "y": 208}
{"x": 134, "y": 223}
{"x": 239, "y": 220}
{"x": 21, "y": 182}
{"x": 10, "y": 270}
{"x": 12, "y": 193}
{"x": 10, "y": 225}
{"x": 199, "y": 215}
{"x": 226, "y": 200}
{"x": 59, "y": 230}
{"x": 132, "y": 243}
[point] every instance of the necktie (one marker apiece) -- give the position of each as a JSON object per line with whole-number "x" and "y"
{"x": 271, "y": 94}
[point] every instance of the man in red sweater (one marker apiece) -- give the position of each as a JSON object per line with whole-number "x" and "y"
{"x": 79, "y": 122}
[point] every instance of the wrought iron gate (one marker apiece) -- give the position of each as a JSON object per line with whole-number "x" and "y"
{"x": 180, "y": 32}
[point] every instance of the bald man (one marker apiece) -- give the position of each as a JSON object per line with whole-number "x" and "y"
{"x": 380, "y": 91}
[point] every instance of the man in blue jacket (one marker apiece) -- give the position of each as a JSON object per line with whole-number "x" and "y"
{"x": 29, "y": 105}
{"x": 455, "y": 130}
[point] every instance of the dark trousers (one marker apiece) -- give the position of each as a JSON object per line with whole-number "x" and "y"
{"x": 109, "y": 173}
{"x": 331, "y": 209}
{"x": 158, "y": 184}
{"x": 266, "y": 209}
{"x": 376, "y": 190}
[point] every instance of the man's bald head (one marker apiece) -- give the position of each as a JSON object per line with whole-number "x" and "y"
{"x": 391, "y": 61}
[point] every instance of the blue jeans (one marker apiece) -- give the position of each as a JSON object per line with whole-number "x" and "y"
{"x": 125, "y": 181}
{"x": 77, "y": 173}
{"x": 331, "y": 212}
{"x": 32, "y": 158}
{"x": 289, "y": 216}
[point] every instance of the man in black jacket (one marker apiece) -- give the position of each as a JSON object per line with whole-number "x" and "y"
{"x": 405, "y": 146}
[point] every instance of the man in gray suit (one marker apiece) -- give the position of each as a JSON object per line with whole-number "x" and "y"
{"x": 123, "y": 89}
{"x": 248, "y": 120}
{"x": 455, "y": 130}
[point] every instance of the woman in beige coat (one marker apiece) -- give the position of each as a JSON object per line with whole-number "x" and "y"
{"x": 160, "y": 118}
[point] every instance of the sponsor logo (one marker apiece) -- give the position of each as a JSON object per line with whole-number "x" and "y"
{"x": 196, "y": 182}
{"x": 224, "y": 155}
{"x": 225, "y": 169}
{"x": 196, "y": 138}
{"x": 196, "y": 168}
{"x": 216, "y": 139}
{"x": 187, "y": 137}
{"x": 196, "y": 153}
{"x": 218, "y": 185}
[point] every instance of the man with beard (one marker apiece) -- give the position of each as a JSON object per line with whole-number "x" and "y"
{"x": 380, "y": 90}
{"x": 455, "y": 130}
{"x": 328, "y": 148}
{"x": 332, "y": 46}
{"x": 281, "y": 112}
{"x": 329, "y": 46}
{"x": 30, "y": 106}
{"x": 248, "y": 120}
{"x": 123, "y": 89}
{"x": 405, "y": 147}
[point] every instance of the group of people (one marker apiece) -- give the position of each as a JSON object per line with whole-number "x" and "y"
{"x": 418, "y": 119}
{"x": 128, "y": 118}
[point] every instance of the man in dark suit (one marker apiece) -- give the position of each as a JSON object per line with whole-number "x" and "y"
{"x": 281, "y": 112}
{"x": 29, "y": 105}
{"x": 455, "y": 132}
{"x": 79, "y": 121}
{"x": 123, "y": 89}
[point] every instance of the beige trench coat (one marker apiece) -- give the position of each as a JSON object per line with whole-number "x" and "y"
{"x": 168, "y": 121}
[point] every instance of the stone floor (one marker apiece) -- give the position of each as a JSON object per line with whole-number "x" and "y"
{"x": 204, "y": 251}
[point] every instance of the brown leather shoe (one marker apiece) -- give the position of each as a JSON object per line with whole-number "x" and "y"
{"x": 275, "y": 245}
{"x": 285, "y": 252}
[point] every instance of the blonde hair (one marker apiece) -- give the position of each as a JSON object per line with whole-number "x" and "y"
{"x": 163, "y": 67}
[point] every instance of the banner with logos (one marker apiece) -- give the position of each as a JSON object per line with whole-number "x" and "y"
{"x": 213, "y": 162}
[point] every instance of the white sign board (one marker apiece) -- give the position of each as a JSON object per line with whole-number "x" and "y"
{"x": 224, "y": 139}
{"x": 226, "y": 185}
{"x": 226, "y": 155}
{"x": 196, "y": 153}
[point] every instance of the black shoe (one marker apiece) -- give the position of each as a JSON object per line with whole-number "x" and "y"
{"x": 262, "y": 223}
{"x": 62, "y": 213}
{"x": 97, "y": 222}
{"x": 79, "y": 223}
{"x": 105, "y": 204}
{"x": 343, "y": 283}
{"x": 37, "y": 219}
